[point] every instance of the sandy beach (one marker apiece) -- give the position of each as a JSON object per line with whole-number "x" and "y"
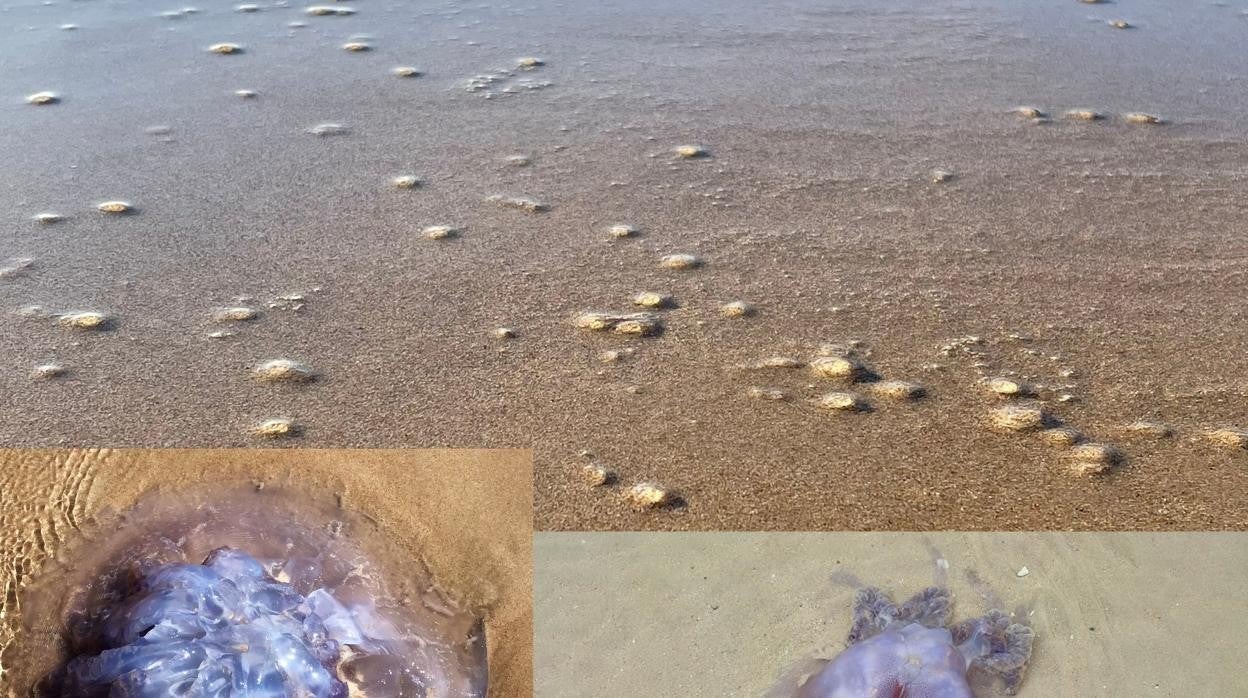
{"x": 865, "y": 186}
{"x": 711, "y": 265}
{"x": 727, "y": 614}
{"x": 463, "y": 516}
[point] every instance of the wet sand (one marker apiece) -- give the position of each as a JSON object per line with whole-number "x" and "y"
{"x": 1098, "y": 259}
{"x": 464, "y": 516}
{"x": 727, "y": 614}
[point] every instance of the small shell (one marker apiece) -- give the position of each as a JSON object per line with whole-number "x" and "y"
{"x": 1062, "y": 436}
{"x": 651, "y": 299}
{"x": 48, "y": 218}
{"x": 691, "y": 152}
{"x": 1136, "y": 117}
{"x": 503, "y": 333}
{"x": 939, "y": 176}
{"x": 612, "y": 356}
{"x": 643, "y": 326}
{"x": 43, "y": 98}
{"x": 841, "y": 402}
{"x": 284, "y": 371}
{"x": 276, "y": 428}
{"x": 406, "y": 182}
{"x": 405, "y": 71}
{"x": 87, "y": 320}
{"x": 680, "y": 261}
{"x": 246, "y": 94}
{"x": 596, "y": 475}
{"x": 898, "y": 390}
{"x": 1231, "y": 438}
{"x": 529, "y": 63}
{"x": 649, "y": 495}
{"x": 595, "y": 322}
{"x": 48, "y": 371}
{"x": 621, "y": 230}
{"x": 1029, "y": 112}
{"x": 115, "y": 207}
{"x": 357, "y": 46}
{"x": 769, "y": 394}
{"x": 235, "y": 314}
{"x": 440, "y": 232}
{"x": 736, "y": 309}
{"x": 1021, "y": 418}
{"x": 1084, "y": 115}
{"x": 324, "y": 11}
{"x": 837, "y": 367}
{"x": 1095, "y": 458}
{"x": 225, "y": 48}
{"x": 1006, "y": 387}
{"x": 328, "y": 129}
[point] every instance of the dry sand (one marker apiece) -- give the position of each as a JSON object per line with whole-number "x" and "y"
{"x": 1130, "y": 614}
{"x": 1115, "y": 248}
{"x": 465, "y": 515}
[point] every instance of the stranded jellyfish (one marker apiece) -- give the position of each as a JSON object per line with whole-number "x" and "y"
{"x": 249, "y": 593}
{"x": 913, "y": 650}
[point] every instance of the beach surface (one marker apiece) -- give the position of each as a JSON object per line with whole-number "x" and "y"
{"x": 864, "y": 186}
{"x": 727, "y": 614}
{"x": 463, "y": 517}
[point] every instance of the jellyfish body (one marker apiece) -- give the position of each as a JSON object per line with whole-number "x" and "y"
{"x": 911, "y": 650}
{"x": 244, "y": 591}
{"x": 911, "y": 660}
{"x": 223, "y": 628}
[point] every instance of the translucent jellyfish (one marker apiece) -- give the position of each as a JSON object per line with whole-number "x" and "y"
{"x": 912, "y": 650}
{"x": 250, "y": 593}
{"x": 224, "y": 627}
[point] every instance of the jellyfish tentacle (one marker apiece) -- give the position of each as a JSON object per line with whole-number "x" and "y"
{"x": 874, "y": 611}
{"x": 1005, "y": 647}
{"x": 931, "y": 608}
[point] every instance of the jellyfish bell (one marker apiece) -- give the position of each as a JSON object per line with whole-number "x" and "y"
{"x": 247, "y": 592}
{"x": 912, "y": 649}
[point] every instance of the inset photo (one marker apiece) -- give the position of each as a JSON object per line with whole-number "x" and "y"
{"x": 312, "y": 573}
{"x": 868, "y": 615}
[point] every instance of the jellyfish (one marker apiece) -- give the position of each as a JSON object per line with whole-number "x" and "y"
{"x": 913, "y": 650}
{"x": 241, "y": 593}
